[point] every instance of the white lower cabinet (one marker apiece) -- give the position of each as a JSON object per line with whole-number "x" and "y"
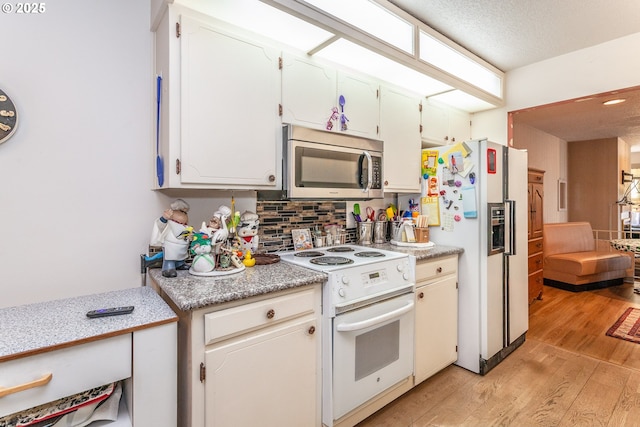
{"x": 255, "y": 364}
{"x": 436, "y": 326}
{"x": 145, "y": 359}
{"x": 266, "y": 379}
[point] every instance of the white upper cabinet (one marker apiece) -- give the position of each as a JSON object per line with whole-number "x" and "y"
{"x": 400, "y": 132}
{"x": 311, "y": 91}
{"x": 220, "y": 118}
{"x": 308, "y": 92}
{"x": 358, "y": 101}
{"x": 443, "y": 125}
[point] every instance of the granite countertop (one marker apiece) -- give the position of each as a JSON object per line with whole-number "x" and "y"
{"x": 436, "y": 251}
{"x": 34, "y": 328}
{"x": 189, "y": 292}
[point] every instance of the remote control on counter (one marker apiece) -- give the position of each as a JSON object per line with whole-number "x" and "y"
{"x": 113, "y": 311}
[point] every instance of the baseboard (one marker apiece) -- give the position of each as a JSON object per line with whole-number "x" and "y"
{"x": 586, "y": 287}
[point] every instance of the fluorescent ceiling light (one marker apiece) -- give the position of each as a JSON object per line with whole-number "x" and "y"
{"x": 614, "y": 101}
{"x": 365, "y": 61}
{"x": 436, "y": 53}
{"x": 264, "y": 20}
{"x": 462, "y": 101}
{"x": 371, "y": 18}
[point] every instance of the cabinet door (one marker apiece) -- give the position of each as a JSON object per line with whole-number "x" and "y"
{"x": 269, "y": 379}
{"x": 400, "y": 132}
{"x": 308, "y": 92}
{"x": 436, "y": 327}
{"x": 442, "y": 124}
{"x": 361, "y": 105}
{"x": 435, "y": 123}
{"x": 459, "y": 126}
{"x": 230, "y": 91}
{"x": 537, "y": 197}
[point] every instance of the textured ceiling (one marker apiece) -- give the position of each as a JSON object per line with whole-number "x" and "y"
{"x": 514, "y": 33}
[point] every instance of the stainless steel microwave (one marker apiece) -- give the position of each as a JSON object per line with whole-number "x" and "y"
{"x": 330, "y": 165}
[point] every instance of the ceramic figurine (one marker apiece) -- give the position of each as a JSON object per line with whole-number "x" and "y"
{"x": 172, "y": 233}
{"x": 225, "y": 261}
{"x": 203, "y": 260}
{"x": 217, "y": 228}
{"x": 248, "y": 232}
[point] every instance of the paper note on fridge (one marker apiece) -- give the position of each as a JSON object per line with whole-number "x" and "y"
{"x": 469, "y": 205}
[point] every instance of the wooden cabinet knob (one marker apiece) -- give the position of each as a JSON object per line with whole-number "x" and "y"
{"x": 312, "y": 330}
{"x": 421, "y": 295}
{"x": 271, "y": 314}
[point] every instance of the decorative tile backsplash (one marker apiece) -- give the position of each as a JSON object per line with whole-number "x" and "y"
{"x": 278, "y": 218}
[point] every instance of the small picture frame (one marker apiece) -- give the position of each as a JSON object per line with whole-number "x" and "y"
{"x": 301, "y": 239}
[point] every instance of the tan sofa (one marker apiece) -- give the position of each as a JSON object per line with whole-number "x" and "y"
{"x": 571, "y": 260}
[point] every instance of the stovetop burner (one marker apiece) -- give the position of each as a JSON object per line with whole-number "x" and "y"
{"x": 308, "y": 254}
{"x": 340, "y": 249}
{"x": 331, "y": 260}
{"x": 369, "y": 254}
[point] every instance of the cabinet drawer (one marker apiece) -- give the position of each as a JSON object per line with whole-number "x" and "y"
{"x": 73, "y": 369}
{"x": 535, "y": 263}
{"x": 536, "y": 280}
{"x": 535, "y": 245}
{"x": 428, "y": 270}
{"x": 535, "y": 177}
{"x": 227, "y": 323}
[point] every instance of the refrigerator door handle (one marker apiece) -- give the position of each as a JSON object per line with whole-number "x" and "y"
{"x": 512, "y": 227}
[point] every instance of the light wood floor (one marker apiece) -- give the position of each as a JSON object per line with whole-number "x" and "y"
{"x": 567, "y": 373}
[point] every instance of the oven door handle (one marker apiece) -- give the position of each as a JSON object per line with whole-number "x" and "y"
{"x": 356, "y": 326}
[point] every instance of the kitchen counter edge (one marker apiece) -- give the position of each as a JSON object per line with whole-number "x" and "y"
{"x": 45, "y": 326}
{"x": 189, "y": 292}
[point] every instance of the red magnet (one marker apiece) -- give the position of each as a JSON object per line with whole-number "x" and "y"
{"x": 457, "y": 218}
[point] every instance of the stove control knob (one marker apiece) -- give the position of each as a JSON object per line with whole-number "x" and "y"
{"x": 345, "y": 280}
{"x": 341, "y": 292}
{"x": 400, "y": 267}
{"x": 405, "y": 276}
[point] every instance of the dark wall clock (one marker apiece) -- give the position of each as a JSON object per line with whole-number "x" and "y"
{"x": 8, "y": 117}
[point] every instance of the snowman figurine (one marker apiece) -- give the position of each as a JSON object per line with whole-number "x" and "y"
{"x": 203, "y": 260}
{"x": 248, "y": 232}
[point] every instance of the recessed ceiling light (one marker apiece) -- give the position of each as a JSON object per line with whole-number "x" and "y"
{"x": 614, "y": 101}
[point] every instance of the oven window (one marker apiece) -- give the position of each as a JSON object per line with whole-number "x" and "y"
{"x": 324, "y": 168}
{"x": 376, "y": 349}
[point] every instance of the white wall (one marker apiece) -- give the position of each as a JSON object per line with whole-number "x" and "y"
{"x": 608, "y": 66}
{"x": 75, "y": 177}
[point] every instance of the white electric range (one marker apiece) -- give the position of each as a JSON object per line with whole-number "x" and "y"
{"x": 367, "y": 322}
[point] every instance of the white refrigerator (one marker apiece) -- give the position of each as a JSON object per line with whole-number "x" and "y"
{"x": 480, "y": 197}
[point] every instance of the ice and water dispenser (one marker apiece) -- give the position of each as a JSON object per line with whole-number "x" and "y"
{"x": 496, "y": 228}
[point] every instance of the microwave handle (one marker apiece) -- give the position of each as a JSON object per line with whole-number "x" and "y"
{"x": 369, "y": 171}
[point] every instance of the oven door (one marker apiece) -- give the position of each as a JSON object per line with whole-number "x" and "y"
{"x": 372, "y": 351}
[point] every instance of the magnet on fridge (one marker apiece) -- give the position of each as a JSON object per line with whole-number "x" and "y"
{"x": 469, "y": 202}
{"x": 457, "y": 218}
{"x": 472, "y": 177}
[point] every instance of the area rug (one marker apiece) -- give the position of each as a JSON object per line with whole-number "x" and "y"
{"x": 627, "y": 327}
